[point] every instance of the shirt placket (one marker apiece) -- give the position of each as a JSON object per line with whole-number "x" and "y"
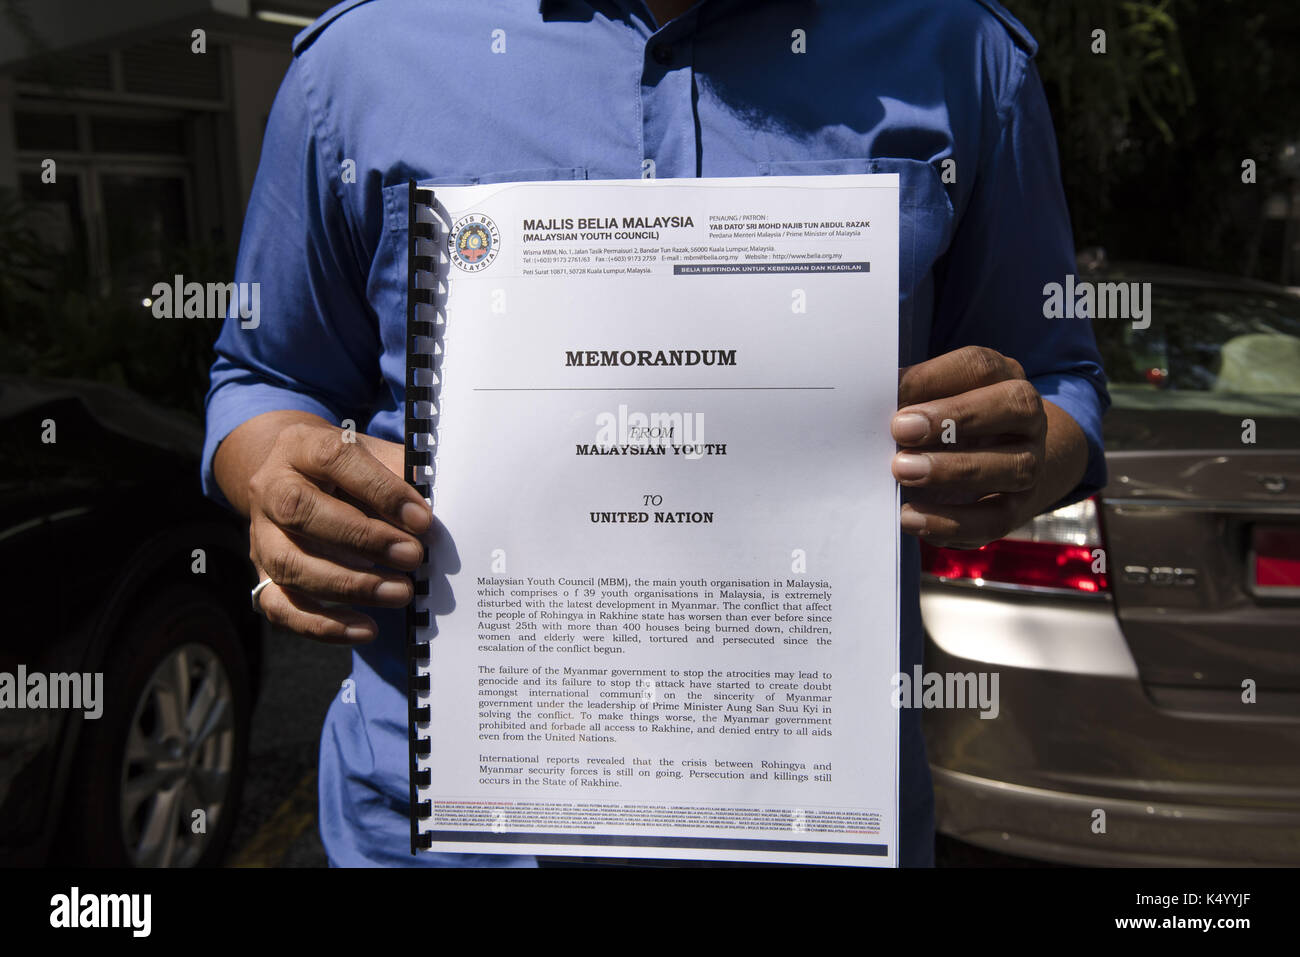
{"x": 669, "y": 134}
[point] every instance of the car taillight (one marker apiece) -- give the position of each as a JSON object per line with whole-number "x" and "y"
{"x": 1057, "y": 550}
{"x": 1275, "y": 552}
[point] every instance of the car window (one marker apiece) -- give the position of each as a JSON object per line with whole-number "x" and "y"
{"x": 1226, "y": 344}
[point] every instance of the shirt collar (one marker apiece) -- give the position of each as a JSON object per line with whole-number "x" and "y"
{"x": 543, "y": 5}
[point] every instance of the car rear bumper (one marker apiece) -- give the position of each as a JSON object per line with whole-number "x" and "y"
{"x": 1056, "y": 826}
{"x": 1076, "y": 734}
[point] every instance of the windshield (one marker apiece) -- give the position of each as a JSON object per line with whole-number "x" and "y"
{"x": 1214, "y": 347}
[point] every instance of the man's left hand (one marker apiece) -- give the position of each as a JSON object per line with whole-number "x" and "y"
{"x": 981, "y": 452}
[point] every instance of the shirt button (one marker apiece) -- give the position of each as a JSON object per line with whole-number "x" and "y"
{"x": 662, "y": 53}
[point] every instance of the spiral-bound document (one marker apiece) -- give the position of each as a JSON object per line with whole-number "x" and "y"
{"x": 658, "y": 616}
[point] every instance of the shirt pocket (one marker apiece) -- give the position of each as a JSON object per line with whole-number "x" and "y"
{"x": 926, "y": 222}
{"x": 395, "y": 199}
{"x": 919, "y": 185}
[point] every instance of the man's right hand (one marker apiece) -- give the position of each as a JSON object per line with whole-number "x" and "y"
{"x": 329, "y": 521}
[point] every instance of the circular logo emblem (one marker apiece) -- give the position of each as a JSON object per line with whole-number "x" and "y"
{"x": 473, "y": 242}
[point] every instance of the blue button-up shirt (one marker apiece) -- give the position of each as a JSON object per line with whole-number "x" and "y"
{"x": 942, "y": 92}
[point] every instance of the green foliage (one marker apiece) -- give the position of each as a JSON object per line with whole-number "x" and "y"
{"x": 22, "y": 251}
{"x": 52, "y": 325}
{"x": 1137, "y": 87}
{"x": 1153, "y": 132}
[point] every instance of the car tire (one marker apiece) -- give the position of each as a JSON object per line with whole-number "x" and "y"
{"x": 172, "y": 740}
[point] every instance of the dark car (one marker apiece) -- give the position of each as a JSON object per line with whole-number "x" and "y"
{"x": 116, "y": 565}
{"x": 1147, "y": 640}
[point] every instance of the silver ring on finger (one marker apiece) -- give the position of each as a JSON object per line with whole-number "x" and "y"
{"x": 257, "y": 595}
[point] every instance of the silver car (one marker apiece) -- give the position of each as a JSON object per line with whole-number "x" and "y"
{"x": 1147, "y": 640}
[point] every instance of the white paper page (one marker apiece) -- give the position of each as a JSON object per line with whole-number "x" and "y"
{"x": 681, "y": 648}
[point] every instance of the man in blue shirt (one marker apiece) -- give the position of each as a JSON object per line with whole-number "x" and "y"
{"x": 942, "y": 92}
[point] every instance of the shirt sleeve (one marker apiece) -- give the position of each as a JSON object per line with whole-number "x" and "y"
{"x": 312, "y": 341}
{"x": 1013, "y": 238}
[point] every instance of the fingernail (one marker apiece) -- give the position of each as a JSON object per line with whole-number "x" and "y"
{"x": 393, "y": 591}
{"x": 358, "y": 633}
{"x": 912, "y": 521}
{"x": 404, "y": 553}
{"x": 415, "y": 516}
{"x": 911, "y": 468}
{"x": 910, "y": 427}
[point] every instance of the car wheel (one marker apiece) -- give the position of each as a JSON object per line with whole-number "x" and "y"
{"x": 157, "y": 778}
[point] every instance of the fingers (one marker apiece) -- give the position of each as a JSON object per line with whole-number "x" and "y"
{"x": 309, "y": 618}
{"x": 294, "y": 504}
{"x": 968, "y": 440}
{"x": 324, "y": 513}
{"x": 975, "y": 473}
{"x": 1010, "y": 407}
{"x": 322, "y": 455}
{"x": 972, "y": 432}
{"x": 953, "y": 373}
{"x": 962, "y": 526}
{"x": 391, "y": 454}
{"x": 297, "y": 567}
